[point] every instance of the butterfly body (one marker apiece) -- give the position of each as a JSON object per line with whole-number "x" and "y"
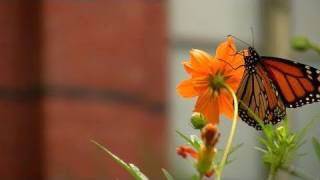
{"x": 251, "y": 61}
{"x": 270, "y": 85}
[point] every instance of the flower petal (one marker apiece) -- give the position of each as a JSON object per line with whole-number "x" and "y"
{"x": 236, "y": 65}
{"x": 226, "y": 49}
{"x": 200, "y": 60}
{"x": 186, "y": 89}
{"x": 201, "y": 84}
{"x": 234, "y": 82}
{"x": 208, "y": 105}
{"x": 226, "y": 105}
{"x": 194, "y": 72}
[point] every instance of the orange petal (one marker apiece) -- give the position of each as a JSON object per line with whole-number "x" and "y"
{"x": 186, "y": 89}
{"x": 192, "y": 70}
{"x": 201, "y": 84}
{"x": 200, "y": 60}
{"x": 226, "y": 105}
{"x": 234, "y": 79}
{"x": 236, "y": 64}
{"x": 217, "y": 65}
{"x": 209, "y": 107}
{"x": 226, "y": 49}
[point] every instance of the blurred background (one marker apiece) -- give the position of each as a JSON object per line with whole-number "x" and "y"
{"x": 76, "y": 70}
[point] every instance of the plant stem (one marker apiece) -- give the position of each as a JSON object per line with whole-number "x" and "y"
{"x": 315, "y": 47}
{"x": 231, "y": 135}
{"x": 272, "y": 173}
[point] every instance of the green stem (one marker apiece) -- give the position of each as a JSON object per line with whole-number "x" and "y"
{"x": 315, "y": 47}
{"x": 231, "y": 135}
{"x": 272, "y": 173}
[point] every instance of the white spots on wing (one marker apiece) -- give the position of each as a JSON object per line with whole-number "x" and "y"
{"x": 317, "y": 95}
{"x": 310, "y": 77}
{"x": 318, "y": 71}
{"x": 309, "y": 72}
{"x": 307, "y": 67}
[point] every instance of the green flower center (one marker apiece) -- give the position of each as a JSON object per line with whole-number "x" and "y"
{"x": 217, "y": 81}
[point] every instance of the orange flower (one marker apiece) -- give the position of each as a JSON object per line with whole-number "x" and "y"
{"x": 209, "y": 76}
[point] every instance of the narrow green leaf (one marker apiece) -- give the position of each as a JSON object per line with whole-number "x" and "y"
{"x": 130, "y": 168}
{"x": 196, "y": 142}
{"x": 167, "y": 174}
{"x": 316, "y": 145}
{"x": 235, "y": 148}
{"x": 193, "y": 141}
{"x": 137, "y": 171}
{"x": 263, "y": 141}
{"x": 260, "y": 149}
{"x": 286, "y": 125}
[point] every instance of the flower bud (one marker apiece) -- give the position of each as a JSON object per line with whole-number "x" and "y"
{"x": 198, "y": 120}
{"x": 281, "y": 130}
{"x": 300, "y": 43}
{"x": 210, "y": 135}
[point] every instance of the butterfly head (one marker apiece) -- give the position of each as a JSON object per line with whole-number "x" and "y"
{"x": 251, "y": 59}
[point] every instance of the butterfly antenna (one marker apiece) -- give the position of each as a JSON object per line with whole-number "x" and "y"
{"x": 230, "y": 64}
{"x": 240, "y": 40}
{"x": 227, "y": 63}
{"x": 252, "y": 36}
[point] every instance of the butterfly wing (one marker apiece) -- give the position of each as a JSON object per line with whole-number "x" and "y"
{"x": 298, "y": 84}
{"x": 259, "y": 94}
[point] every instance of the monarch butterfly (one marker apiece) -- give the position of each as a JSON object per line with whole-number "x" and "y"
{"x": 270, "y": 85}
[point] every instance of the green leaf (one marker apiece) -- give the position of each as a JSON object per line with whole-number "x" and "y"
{"x": 260, "y": 149}
{"x": 316, "y": 145}
{"x": 194, "y": 141}
{"x": 130, "y": 168}
{"x": 235, "y": 148}
{"x": 167, "y": 174}
{"x": 220, "y": 154}
{"x": 195, "y": 177}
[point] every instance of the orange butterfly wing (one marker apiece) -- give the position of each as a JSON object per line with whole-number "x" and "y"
{"x": 299, "y": 84}
{"x": 259, "y": 94}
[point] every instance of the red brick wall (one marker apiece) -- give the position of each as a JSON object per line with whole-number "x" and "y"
{"x": 77, "y": 70}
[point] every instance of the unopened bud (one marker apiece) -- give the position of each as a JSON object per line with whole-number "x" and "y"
{"x": 281, "y": 131}
{"x": 300, "y": 43}
{"x": 210, "y": 135}
{"x": 198, "y": 120}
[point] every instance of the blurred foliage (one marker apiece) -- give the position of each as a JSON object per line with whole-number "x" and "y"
{"x": 301, "y": 43}
{"x": 133, "y": 170}
{"x": 167, "y": 174}
{"x": 130, "y": 168}
{"x": 195, "y": 142}
{"x": 280, "y": 145}
{"x": 316, "y": 145}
